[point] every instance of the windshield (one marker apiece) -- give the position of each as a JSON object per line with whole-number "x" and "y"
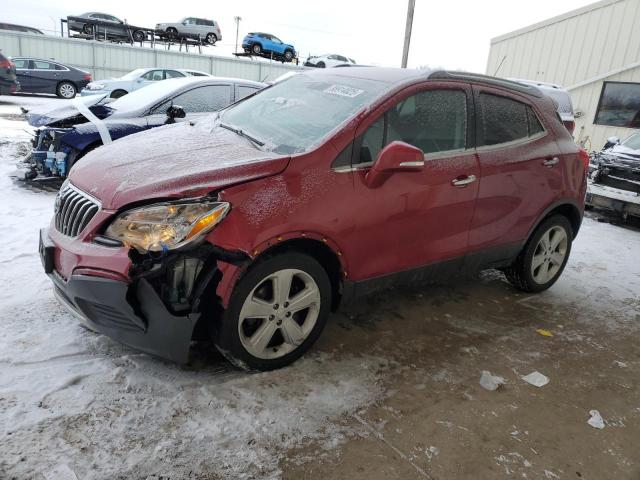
{"x": 133, "y": 74}
{"x": 295, "y": 115}
{"x": 633, "y": 142}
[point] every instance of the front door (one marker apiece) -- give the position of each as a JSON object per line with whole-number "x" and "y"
{"x": 419, "y": 218}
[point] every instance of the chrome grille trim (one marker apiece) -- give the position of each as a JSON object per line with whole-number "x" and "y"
{"x": 74, "y": 210}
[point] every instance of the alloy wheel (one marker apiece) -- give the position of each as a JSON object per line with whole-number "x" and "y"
{"x": 279, "y": 314}
{"x": 549, "y": 255}
{"x": 67, "y": 90}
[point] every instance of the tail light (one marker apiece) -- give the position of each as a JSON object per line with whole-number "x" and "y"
{"x": 570, "y": 125}
{"x": 6, "y": 64}
{"x": 584, "y": 156}
{"x": 87, "y": 77}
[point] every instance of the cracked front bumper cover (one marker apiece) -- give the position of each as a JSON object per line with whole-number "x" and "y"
{"x": 103, "y": 305}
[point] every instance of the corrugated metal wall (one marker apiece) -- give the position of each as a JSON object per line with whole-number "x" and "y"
{"x": 575, "y": 48}
{"x": 105, "y": 60}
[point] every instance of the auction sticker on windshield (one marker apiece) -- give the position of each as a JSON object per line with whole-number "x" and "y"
{"x": 343, "y": 91}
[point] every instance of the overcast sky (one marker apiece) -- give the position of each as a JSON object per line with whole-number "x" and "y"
{"x": 452, "y": 34}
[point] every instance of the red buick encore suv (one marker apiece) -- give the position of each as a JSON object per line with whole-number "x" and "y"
{"x": 257, "y": 222}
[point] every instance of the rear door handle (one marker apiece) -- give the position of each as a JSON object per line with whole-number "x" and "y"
{"x": 463, "y": 180}
{"x": 550, "y": 162}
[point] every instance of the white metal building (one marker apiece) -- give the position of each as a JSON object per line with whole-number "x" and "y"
{"x": 594, "y": 52}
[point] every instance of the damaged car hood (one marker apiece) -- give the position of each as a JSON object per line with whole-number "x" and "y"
{"x": 68, "y": 115}
{"x": 624, "y": 153}
{"x": 173, "y": 161}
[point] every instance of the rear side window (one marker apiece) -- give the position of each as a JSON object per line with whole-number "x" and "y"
{"x": 43, "y": 65}
{"x": 24, "y": 64}
{"x": 535, "y": 126}
{"x": 173, "y": 74}
{"x": 502, "y": 120}
{"x": 245, "y": 91}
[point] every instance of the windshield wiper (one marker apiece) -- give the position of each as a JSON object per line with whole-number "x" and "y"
{"x": 242, "y": 134}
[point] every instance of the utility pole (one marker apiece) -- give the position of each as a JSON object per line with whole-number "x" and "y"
{"x": 407, "y": 32}
{"x": 237, "y": 19}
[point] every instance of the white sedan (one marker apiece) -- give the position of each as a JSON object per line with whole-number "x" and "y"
{"x": 136, "y": 79}
{"x": 329, "y": 60}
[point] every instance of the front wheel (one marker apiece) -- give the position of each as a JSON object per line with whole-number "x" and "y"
{"x": 288, "y": 55}
{"x": 66, "y": 90}
{"x": 276, "y": 312}
{"x": 544, "y": 256}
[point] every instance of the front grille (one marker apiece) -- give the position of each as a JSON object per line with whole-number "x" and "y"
{"x": 74, "y": 209}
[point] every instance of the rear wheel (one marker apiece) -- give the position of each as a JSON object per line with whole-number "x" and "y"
{"x": 544, "y": 256}
{"x": 172, "y": 32}
{"x": 256, "y": 49}
{"x": 66, "y": 90}
{"x": 276, "y": 312}
{"x": 320, "y": 65}
{"x": 118, "y": 93}
{"x": 87, "y": 29}
{"x": 139, "y": 36}
{"x": 211, "y": 38}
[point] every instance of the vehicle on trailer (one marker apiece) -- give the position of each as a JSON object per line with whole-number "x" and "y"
{"x": 105, "y": 25}
{"x": 135, "y": 80}
{"x": 614, "y": 177}
{"x": 8, "y": 80}
{"x": 37, "y": 75}
{"x": 561, "y": 96}
{"x": 67, "y": 134}
{"x": 267, "y": 45}
{"x": 202, "y": 29}
{"x": 331, "y": 184}
{"x": 329, "y": 60}
{"x": 19, "y": 28}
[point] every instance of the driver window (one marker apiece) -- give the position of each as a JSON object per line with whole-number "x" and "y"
{"x": 433, "y": 121}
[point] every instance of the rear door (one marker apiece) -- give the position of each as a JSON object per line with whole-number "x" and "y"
{"x": 44, "y": 77}
{"x": 520, "y": 169}
{"x": 423, "y": 217}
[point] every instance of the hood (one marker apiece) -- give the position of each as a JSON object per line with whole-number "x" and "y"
{"x": 174, "y": 161}
{"x": 68, "y": 115}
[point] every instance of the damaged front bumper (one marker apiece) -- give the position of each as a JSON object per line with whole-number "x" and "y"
{"x": 49, "y": 157}
{"x": 135, "y": 313}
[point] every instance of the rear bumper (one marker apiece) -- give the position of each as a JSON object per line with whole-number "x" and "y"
{"x": 130, "y": 313}
{"x": 613, "y": 199}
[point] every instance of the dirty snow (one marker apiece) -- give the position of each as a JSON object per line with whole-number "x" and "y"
{"x": 74, "y": 401}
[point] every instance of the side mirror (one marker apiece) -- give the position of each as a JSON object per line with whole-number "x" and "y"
{"x": 395, "y": 157}
{"x": 173, "y": 112}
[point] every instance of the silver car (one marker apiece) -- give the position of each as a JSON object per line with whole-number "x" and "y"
{"x": 135, "y": 80}
{"x": 192, "y": 27}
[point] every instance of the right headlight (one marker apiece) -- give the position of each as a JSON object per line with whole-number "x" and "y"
{"x": 166, "y": 226}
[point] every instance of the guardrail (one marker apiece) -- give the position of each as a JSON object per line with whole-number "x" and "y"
{"x": 107, "y": 59}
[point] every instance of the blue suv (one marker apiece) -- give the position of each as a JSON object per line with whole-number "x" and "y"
{"x": 267, "y": 45}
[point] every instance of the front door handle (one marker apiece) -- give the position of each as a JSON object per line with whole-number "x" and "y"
{"x": 550, "y": 162}
{"x": 463, "y": 181}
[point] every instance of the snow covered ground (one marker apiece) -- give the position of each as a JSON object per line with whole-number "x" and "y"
{"x": 75, "y": 401}
{"x": 72, "y": 397}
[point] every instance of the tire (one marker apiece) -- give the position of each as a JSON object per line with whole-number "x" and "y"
{"x": 288, "y": 55}
{"x": 256, "y": 49}
{"x": 523, "y": 275}
{"x": 286, "y": 334}
{"x": 66, "y": 90}
{"x": 118, "y": 93}
{"x": 320, "y": 65}
{"x": 75, "y": 158}
{"x": 172, "y": 32}
{"x": 139, "y": 36}
{"x": 211, "y": 38}
{"x": 87, "y": 29}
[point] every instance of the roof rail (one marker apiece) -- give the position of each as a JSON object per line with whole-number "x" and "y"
{"x": 487, "y": 80}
